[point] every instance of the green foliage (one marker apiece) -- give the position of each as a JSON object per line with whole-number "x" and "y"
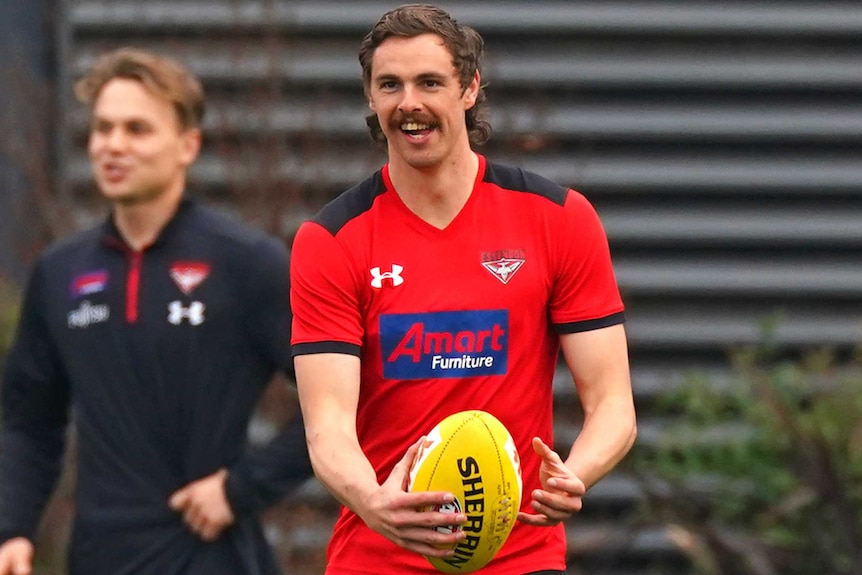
{"x": 763, "y": 472}
{"x": 9, "y": 300}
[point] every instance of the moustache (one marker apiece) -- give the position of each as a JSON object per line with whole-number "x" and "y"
{"x": 400, "y": 119}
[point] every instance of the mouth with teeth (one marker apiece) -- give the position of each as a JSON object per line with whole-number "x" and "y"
{"x": 416, "y": 129}
{"x": 113, "y": 172}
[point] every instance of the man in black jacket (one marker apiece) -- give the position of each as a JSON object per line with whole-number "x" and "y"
{"x": 157, "y": 331}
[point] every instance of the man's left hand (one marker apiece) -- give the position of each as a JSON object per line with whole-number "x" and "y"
{"x": 204, "y": 506}
{"x": 561, "y": 492}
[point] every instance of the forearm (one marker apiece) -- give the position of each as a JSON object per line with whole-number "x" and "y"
{"x": 29, "y": 468}
{"x": 342, "y": 467}
{"x": 263, "y": 476}
{"x": 598, "y": 361}
{"x": 34, "y": 400}
{"x": 328, "y": 385}
{"x": 608, "y": 433}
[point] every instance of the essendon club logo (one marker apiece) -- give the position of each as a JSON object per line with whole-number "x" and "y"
{"x": 504, "y": 264}
{"x": 189, "y": 275}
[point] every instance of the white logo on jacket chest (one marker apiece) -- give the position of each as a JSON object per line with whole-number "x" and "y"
{"x": 395, "y": 276}
{"x": 87, "y": 314}
{"x": 194, "y": 313}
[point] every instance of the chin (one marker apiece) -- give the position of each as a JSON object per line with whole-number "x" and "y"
{"x": 423, "y": 165}
{"x": 123, "y": 197}
{"x": 420, "y": 160}
{"x": 114, "y": 193}
{"x": 110, "y": 194}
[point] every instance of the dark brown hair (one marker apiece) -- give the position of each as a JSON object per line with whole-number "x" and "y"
{"x": 464, "y": 44}
{"x": 160, "y": 75}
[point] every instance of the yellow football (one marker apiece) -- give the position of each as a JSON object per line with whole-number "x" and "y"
{"x": 472, "y": 455}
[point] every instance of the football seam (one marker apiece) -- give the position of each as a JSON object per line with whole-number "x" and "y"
{"x": 445, "y": 445}
{"x": 497, "y": 451}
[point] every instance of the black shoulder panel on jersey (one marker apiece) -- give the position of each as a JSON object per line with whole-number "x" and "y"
{"x": 350, "y": 204}
{"x": 518, "y": 180}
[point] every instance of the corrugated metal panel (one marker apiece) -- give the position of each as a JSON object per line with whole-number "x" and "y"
{"x": 720, "y": 142}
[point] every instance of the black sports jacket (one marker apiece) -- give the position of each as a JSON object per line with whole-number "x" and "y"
{"x": 159, "y": 357}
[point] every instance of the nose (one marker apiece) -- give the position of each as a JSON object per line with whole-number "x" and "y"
{"x": 115, "y": 139}
{"x": 110, "y": 139}
{"x": 410, "y": 100}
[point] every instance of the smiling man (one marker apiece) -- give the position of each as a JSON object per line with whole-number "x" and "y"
{"x": 442, "y": 283}
{"x": 157, "y": 330}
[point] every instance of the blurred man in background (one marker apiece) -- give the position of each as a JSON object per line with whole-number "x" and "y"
{"x": 157, "y": 331}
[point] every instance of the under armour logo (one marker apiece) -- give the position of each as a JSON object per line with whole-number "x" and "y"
{"x": 394, "y": 275}
{"x": 194, "y": 313}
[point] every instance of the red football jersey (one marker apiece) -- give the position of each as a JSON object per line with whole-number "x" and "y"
{"x": 447, "y": 320}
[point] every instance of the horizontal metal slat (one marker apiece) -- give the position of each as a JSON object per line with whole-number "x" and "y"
{"x": 342, "y": 115}
{"x": 651, "y": 379}
{"x": 242, "y": 64}
{"x": 733, "y": 176}
{"x": 701, "y": 120}
{"x": 311, "y": 169}
{"x": 753, "y": 18}
{"x": 688, "y": 326}
{"x": 706, "y": 278}
{"x": 574, "y": 66}
{"x": 715, "y": 225}
{"x": 674, "y": 70}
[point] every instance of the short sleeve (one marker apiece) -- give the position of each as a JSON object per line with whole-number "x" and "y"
{"x": 324, "y": 295}
{"x": 585, "y": 294}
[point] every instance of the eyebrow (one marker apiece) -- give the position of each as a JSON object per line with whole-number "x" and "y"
{"x": 381, "y": 77}
{"x": 431, "y": 76}
{"x": 419, "y": 77}
{"x": 99, "y": 120}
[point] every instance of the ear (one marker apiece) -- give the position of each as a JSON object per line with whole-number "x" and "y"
{"x": 190, "y": 146}
{"x": 366, "y": 91}
{"x": 471, "y": 92}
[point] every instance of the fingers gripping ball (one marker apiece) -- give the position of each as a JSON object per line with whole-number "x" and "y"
{"x": 471, "y": 455}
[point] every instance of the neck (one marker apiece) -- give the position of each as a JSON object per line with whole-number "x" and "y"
{"x": 437, "y": 193}
{"x": 141, "y": 222}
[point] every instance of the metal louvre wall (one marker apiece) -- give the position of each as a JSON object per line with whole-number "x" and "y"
{"x": 721, "y": 143}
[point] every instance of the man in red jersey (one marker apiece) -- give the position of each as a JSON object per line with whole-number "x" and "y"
{"x": 446, "y": 282}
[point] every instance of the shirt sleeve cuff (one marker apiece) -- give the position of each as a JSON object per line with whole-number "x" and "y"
{"x": 240, "y": 492}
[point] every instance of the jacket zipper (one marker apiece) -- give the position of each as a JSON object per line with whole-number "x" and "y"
{"x": 133, "y": 284}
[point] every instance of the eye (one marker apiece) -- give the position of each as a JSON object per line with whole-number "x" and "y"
{"x": 100, "y": 127}
{"x": 388, "y": 85}
{"x": 138, "y": 128}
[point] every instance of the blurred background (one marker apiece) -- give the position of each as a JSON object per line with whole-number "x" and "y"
{"x": 720, "y": 143}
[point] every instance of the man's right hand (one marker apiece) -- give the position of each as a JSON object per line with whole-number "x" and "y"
{"x": 403, "y": 517}
{"x": 16, "y": 557}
